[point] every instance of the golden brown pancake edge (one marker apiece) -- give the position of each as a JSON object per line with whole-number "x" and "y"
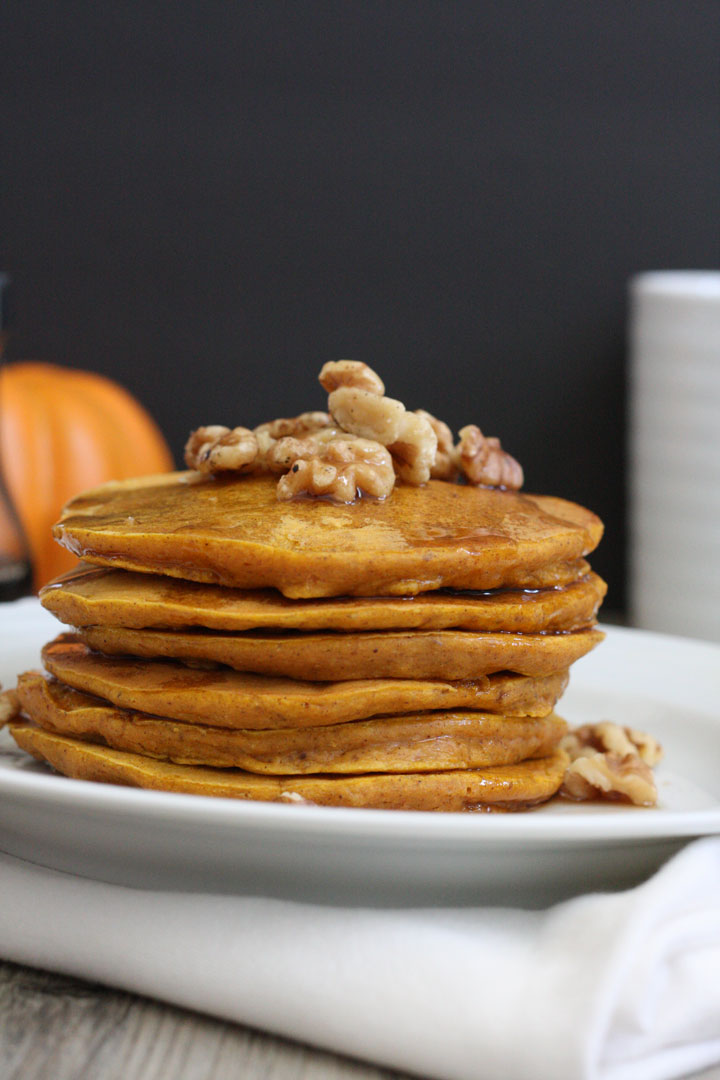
{"x": 444, "y": 654}
{"x": 413, "y": 743}
{"x": 503, "y": 786}
{"x": 235, "y": 532}
{"x": 95, "y": 596}
{"x": 233, "y": 699}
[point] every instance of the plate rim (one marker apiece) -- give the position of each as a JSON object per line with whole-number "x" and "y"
{"x": 608, "y": 824}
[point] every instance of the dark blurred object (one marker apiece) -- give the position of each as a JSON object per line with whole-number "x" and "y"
{"x": 15, "y": 569}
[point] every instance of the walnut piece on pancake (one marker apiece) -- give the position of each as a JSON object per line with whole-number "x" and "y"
{"x": 409, "y": 437}
{"x": 220, "y": 449}
{"x": 283, "y": 452}
{"x": 9, "y": 707}
{"x": 415, "y": 450}
{"x": 296, "y": 427}
{"x": 337, "y": 373}
{"x": 420, "y": 446}
{"x": 445, "y": 466}
{"x": 337, "y": 468}
{"x": 483, "y": 460}
{"x": 611, "y": 762}
{"x": 369, "y": 415}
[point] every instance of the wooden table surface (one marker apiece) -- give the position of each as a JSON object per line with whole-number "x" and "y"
{"x": 58, "y": 1028}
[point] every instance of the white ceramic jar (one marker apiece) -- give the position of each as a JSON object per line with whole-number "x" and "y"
{"x": 674, "y": 452}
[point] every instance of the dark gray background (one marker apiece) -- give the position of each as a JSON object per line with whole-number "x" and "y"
{"x": 208, "y": 200}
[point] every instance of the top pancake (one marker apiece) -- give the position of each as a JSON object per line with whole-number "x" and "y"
{"x": 235, "y": 532}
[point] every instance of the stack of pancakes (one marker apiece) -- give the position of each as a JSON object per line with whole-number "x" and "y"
{"x": 398, "y": 654}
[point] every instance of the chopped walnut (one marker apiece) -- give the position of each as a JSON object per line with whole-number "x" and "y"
{"x": 415, "y": 449}
{"x": 484, "y": 461}
{"x": 610, "y": 776}
{"x": 353, "y": 373}
{"x": 648, "y": 748}
{"x": 220, "y": 449}
{"x": 445, "y": 466}
{"x": 296, "y": 426}
{"x": 416, "y": 445}
{"x": 283, "y": 452}
{"x": 409, "y": 437}
{"x": 9, "y": 707}
{"x": 359, "y": 412}
{"x": 611, "y": 762}
{"x": 337, "y": 469}
{"x": 607, "y": 736}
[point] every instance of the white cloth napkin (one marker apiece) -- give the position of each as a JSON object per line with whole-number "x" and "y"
{"x": 619, "y": 987}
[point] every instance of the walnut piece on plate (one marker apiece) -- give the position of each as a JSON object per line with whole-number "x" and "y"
{"x": 608, "y": 761}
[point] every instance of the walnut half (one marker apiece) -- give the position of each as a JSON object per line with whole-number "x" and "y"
{"x": 339, "y": 469}
{"x": 283, "y": 452}
{"x": 484, "y": 461}
{"x": 219, "y": 449}
{"x": 415, "y": 449}
{"x": 611, "y": 762}
{"x": 445, "y": 466}
{"x": 337, "y": 373}
{"x": 297, "y": 426}
{"x": 364, "y": 413}
{"x": 408, "y": 436}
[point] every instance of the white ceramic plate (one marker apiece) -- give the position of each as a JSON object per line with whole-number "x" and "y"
{"x": 669, "y": 686}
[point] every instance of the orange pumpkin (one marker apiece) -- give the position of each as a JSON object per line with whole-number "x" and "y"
{"x": 61, "y": 431}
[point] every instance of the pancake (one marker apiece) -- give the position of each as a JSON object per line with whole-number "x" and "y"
{"x": 501, "y": 786}
{"x": 236, "y": 532}
{"x": 233, "y": 699}
{"x": 420, "y": 654}
{"x": 424, "y": 742}
{"x": 91, "y": 596}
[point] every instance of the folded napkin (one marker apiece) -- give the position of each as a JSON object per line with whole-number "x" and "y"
{"x": 622, "y": 986}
